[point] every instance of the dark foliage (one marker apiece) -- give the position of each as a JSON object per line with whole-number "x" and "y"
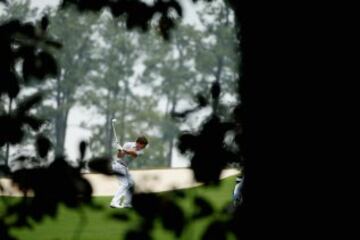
{"x": 208, "y": 149}
{"x": 203, "y": 208}
{"x": 170, "y": 214}
{"x": 101, "y": 165}
{"x": 43, "y": 146}
{"x": 138, "y": 14}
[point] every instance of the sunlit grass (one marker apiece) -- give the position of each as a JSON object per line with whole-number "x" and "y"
{"x": 86, "y": 223}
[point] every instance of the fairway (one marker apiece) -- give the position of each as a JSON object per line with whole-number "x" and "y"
{"x": 99, "y": 224}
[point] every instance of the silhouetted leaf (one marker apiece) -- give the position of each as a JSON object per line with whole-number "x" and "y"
{"x": 9, "y": 83}
{"x": 138, "y": 15}
{"x": 25, "y": 51}
{"x": 39, "y": 66}
{"x": 176, "y": 6}
{"x": 208, "y": 149}
{"x": 33, "y": 122}
{"x": 120, "y": 216}
{"x": 183, "y": 114}
{"x": 173, "y": 217}
{"x": 101, "y": 165}
{"x": 4, "y": 233}
{"x": 215, "y": 90}
{"x": 131, "y": 235}
{"x": 54, "y": 44}
{"x": 216, "y": 230}
{"x": 203, "y": 208}
{"x": 165, "y": 25}
{"x": 25, "y": 105}
{"x": 43, "y": 145}
{"x": 8, "y": 28}
{"x": 82, "y": 149}
{"x": 10, "y": 129}
{"x": 44, "y": 23}
{"x": 202, "y": 101}
{"x": 179, "y": 193}
{"x": 187, "y": 142}
{"x": 141, "y": 203}
{"x": 28, "y": 29}
{"x": 4, "y": 170}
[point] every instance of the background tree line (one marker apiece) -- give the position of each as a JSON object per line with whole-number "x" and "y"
{"x": 138, "y": 79}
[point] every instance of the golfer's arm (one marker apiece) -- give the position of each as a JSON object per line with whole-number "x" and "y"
{"x": 131, "y": 153}
{"x": 120, "y": 153}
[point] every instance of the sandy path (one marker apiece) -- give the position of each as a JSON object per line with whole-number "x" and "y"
{"x": 151, "y": 180}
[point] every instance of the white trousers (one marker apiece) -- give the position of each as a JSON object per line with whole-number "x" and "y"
{"x": 126, "y": 185}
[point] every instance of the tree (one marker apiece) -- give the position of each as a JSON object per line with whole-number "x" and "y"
{"x": 110, "y": 89}
{"x": 216, "y": 56}
{"x": 73, "y": 60}
{"x": 20, "y": 10}
{"x": 169, "y": 72}
{"x": 113, "y": 89}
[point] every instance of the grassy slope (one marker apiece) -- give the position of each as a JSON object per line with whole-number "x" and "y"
{"x": 99, "y": 225}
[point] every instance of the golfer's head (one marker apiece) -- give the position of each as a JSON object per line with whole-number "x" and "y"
{"x": 141, "y": 142}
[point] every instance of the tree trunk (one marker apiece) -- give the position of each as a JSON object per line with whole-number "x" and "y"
{"x": 171, "y": 136}
{"x": 170, "y": 151}
{"x": 60, "y": 128}
{"x": 60, "y": 120}
{"x": 219, "y": 69}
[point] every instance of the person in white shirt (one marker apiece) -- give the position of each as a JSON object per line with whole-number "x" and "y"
{"x": 125, "y": 154}
{"x": 237, "y": 197}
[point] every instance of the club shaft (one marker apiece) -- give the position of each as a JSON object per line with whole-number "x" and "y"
{"x": 115, "y": 135}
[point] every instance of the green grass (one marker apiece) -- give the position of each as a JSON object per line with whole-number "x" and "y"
{"x": 88, "y": 224}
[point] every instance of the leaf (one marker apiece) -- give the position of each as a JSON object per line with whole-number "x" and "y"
{"x": 101, "y": 165}
{"x": 39, "y": 66}
{"x": 28, "y": 29}
{"x": 176, "y": 6}
{"x": 141, "y": 203}
{"x": 216, "y": 230}
{"x": 42, "y": 145}
{"x": 7, "y": 29}
{"x": 202, "y": 101}
{"x": 187, "y": 142}
{"x": 53, "y": 43}
{"x": 137, "y": 234}
{"x": 165, "y": 25}
{"x": 44, "y": 23}
{"x": 172, "y": 217}
{"x": 204, "y": 208}
{"x": 49, "y": 65}
{"x": 29, "y": 102}
{"x": 13, "y": 87}
{"x": 215, "y": 90}
{"x": 10, "y": 129}
{"x": 120, "y": 216}
{"x": 34, "y": 122}
{"x": 82, "y": 149}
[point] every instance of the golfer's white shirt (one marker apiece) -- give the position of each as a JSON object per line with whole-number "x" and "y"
{"x": 129, "y": 146}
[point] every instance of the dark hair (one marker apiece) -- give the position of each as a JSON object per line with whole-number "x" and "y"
{"x": 142, "y": 140}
